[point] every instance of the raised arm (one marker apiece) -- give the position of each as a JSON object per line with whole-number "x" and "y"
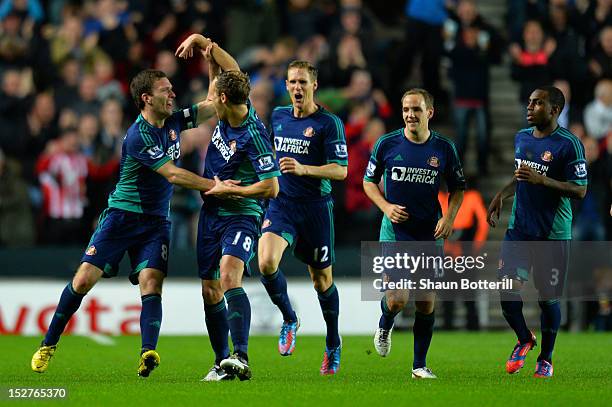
{"x": 206, "y": 108}
{"x": 218, "y": 60}
{"x": 197, "y": 42}
{"x": 225, "y": 61}
{"x": 214, "y": 69}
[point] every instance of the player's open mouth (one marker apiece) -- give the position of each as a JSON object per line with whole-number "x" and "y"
{"x": 298, "y": 96}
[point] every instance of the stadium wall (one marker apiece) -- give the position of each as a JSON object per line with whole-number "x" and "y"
{"x": 113, "y": 308}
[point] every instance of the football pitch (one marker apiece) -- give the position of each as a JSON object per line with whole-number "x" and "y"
{"x": 470, "y": 367}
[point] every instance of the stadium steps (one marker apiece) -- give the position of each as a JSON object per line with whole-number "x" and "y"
{"x": 506, "y": 116}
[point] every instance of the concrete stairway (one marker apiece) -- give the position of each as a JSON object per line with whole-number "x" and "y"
{"x": 507, "y": 117}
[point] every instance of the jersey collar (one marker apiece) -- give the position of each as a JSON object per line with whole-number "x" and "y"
{"x": 431, "y": 136}
{"x": 250, "y": 115}
{"x": 142, "y": 119}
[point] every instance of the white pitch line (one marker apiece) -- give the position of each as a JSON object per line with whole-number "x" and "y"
{"x": 102, "y": 339}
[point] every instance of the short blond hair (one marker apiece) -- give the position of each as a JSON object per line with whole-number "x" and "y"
{"x": 429, "y": 99}
{"x": 312, "y": 71}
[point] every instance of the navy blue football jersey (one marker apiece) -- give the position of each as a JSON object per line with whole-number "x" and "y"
{"x": 411, "y": 175}
{"x": 242, "y": 153}
{"x": 315, "y": 140}
{"x": 539, "y": 211}
{"x": 146, "y": 148}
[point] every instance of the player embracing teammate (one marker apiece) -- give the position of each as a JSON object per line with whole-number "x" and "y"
{"x": 230, "y": 217}
{"x": 136, "y": 218}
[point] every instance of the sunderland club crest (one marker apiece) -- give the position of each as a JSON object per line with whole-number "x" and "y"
{"x": 547, "y": 156}
{"x": 309, "y": 132}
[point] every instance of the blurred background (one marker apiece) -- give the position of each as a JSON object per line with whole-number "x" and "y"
{"x": 65, "y": 66}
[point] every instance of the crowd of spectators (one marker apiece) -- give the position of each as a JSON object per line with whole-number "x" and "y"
{"x": 65, "y": 67}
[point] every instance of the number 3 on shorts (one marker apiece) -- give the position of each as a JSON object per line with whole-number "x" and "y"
{"x": 246, "y": 245}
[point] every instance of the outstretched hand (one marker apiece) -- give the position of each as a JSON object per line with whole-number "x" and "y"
{"x": 186, "y": 48}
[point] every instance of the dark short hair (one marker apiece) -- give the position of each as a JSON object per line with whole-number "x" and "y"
{"x": 235, "y": 85}
{"x": 429, "y": 100}
{"x": 143, "y": 83}
{"x": 312, "y": 71}
{"x": 555, "y": 96}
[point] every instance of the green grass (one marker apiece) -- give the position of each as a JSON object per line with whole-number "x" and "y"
{"x": 470, "y": 368}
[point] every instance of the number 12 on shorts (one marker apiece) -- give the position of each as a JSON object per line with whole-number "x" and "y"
{"x": 324, "y": 253}
{"x": 246, "y": 245}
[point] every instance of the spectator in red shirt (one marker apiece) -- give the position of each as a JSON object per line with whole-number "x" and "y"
{"x": 530, "y": 59}
{"x": 62, "y": 170}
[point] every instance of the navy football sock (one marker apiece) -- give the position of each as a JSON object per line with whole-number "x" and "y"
{"x": 239, "y": 319}
{"x": 276, "y": 286}
{"x": 550, "y": 320}
{"x": 512, "y": 308}
{"x": 218, "y": 329}
{"x": 150, "y": 320}
{"x": 330, "y": 306}
{"x": 422, "y": 331}
{"x": 388, "y": 317}
{"x": 69, "y": 303}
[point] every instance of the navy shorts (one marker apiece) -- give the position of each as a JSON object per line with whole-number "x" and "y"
{"x": 308, "y": 227}
{"x": 547, "y": 261}
{"x": 146, "y": 238}
{"x": 418, "y": 260}
{"x": 234, "y": 235}
{"x": 412, "y": 230}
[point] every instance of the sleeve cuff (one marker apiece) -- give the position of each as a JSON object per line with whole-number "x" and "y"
{"x": 194, "y": 111}
{"x": 579, "y": 181}
{"x": 343, "y": 163}
{"x": 267, "y": 175}
{"x": 159, "y": 163}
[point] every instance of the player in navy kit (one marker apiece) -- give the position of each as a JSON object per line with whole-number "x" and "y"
{"x": 411, "y": 162}
{"x": 136, "y": 218}
{"x": 550, "y": 168}
{"x": 228, "y": 229}
{"x": 311, "y": 148}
